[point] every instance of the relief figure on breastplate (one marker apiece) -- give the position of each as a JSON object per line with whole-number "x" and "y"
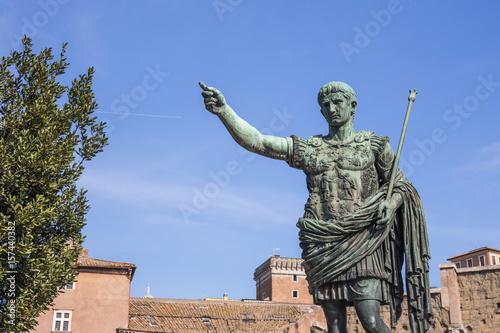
{"x": 368, "y": 182}
{"x": 311, "y": 209}
{"x": 328, "y": 188}
{"x": 346, "y": 186}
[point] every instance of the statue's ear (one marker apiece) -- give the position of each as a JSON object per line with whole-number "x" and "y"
{"x": 354, "y": 104}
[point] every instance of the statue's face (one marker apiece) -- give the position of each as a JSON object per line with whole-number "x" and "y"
{"x": 336, "y": 110}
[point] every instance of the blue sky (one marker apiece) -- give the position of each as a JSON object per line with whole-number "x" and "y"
{"x": 173, "y": 193}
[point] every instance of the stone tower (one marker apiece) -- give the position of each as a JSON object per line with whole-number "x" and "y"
{"x": 282, "y": 280}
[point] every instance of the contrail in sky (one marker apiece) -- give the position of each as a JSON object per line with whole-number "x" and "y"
{"x": 139, "y": 114}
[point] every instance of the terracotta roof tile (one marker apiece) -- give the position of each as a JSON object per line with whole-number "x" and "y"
{"x": 93, "y": 262}
{"x": 167, "y": 315}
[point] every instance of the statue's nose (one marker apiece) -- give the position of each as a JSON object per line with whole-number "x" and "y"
{"x": 331, "y": 108}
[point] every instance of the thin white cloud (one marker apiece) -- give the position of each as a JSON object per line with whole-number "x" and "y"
{"x": 493, "y": 163}
{"x": 85, "y": 25}
{"x": 139, "y": 114}
{"x": 131, "y": 189}
{"x": 485, "y": 235}
{"x": 486, "y": 159}
{"x": 257, "y": 205}
{"x": 163, "y": 202}
{"x": 493, "y": 148}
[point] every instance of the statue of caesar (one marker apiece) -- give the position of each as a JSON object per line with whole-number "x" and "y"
{"x": 354, "y": 239}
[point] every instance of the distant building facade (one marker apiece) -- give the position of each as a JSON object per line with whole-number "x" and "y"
{"x": 98, "y": 301}
{"x": 219, "y": 315}
{"x": 467, "y": 302}
{"x": 484, "y": 256}
{"x": 282, "y": 280}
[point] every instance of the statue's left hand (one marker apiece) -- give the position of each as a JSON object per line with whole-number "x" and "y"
{"x": 387, "y": 209}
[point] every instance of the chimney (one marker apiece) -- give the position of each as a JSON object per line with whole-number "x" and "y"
{"x": 225, "y": 296}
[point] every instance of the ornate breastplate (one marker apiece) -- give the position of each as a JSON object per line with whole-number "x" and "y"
{"x": 340, "y": 177}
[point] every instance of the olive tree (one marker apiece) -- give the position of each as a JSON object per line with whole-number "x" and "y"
{"x": 47, "y": 131}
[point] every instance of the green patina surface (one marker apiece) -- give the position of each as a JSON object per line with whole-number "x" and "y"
{"x": 354, "y": 237}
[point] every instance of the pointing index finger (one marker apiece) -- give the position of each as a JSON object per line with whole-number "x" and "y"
{"x": 204, "y": 86}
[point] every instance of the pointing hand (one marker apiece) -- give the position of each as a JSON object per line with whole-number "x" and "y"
{"x": 213, "y": 98}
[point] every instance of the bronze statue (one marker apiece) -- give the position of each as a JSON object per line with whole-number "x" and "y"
{"x": 354, "y": 238}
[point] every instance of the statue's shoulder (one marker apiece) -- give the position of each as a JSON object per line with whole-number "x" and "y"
{"x": 315, "y": 140}
{"x": 378, "y": 143}
{"x": 363, "y": 136}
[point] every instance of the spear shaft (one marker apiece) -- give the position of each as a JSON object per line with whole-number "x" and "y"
{"x": 411, "y": 99}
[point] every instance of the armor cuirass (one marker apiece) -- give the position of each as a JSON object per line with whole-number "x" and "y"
{"x": 340, "y": 176}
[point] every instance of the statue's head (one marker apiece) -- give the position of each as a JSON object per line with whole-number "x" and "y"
{"x": 340, "y": 93}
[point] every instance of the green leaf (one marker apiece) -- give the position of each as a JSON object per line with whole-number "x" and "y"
{"x": 43, "y": 148}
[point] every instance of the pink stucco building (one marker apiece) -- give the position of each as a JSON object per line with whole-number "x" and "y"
{"x": 98, "y": 301}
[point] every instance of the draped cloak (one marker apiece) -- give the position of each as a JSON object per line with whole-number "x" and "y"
{"x": 330, "y": 248}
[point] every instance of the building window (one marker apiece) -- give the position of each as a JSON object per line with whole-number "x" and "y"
{"x": 457, "y": 265}
{"x": 295, "y": 278}
{"x": 295, "y": 294}
{"x": 481, "y": 260}
{"x": 69, "y": 286}
{"x": 62, "y": 320}
{"x": 493, "y": 260}
{"x": 469, "y": 262}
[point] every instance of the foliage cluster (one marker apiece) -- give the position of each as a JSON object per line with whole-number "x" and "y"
{"x": 47, "y": 132}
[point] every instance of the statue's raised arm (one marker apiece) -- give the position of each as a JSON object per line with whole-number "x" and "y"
{"x": 242, "y": 132}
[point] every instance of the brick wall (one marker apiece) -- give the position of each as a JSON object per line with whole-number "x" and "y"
{"x": 282, "y": 280}
{"x": 264, "y": 289}
{"x": 475, "y": 294}
{"x": 440, "y": 324}
{"x": 480, "y": 298}
{"x": 468, "y": 301}
{"x": 441, "y": 317}
{"x": 283, "y": 287}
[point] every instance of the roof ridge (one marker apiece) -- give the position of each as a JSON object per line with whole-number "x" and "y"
{"x": 472, "y": 251}
{"x": 86, "y": 261}
{"x": 242, "y": 301}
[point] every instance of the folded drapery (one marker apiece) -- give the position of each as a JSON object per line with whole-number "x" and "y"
{"x": 332, "y": 247}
